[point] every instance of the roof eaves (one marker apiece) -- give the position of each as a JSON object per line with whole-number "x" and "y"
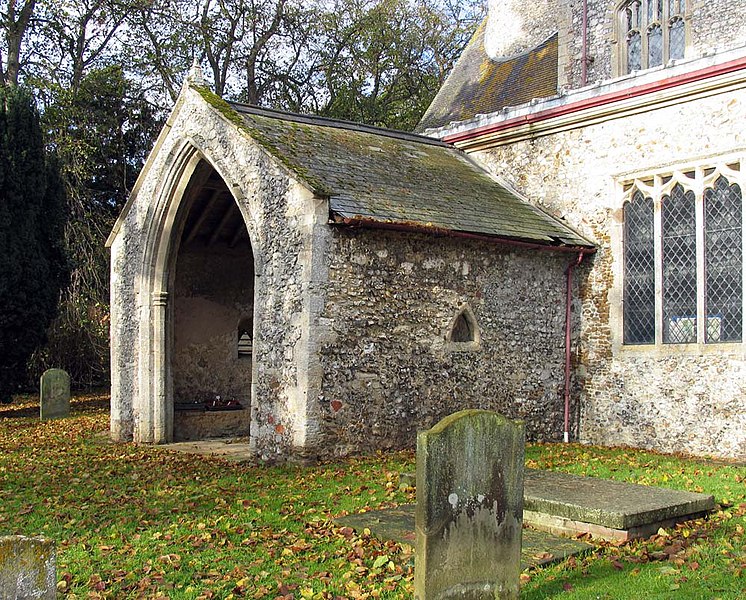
{"x": 553, "y": 243}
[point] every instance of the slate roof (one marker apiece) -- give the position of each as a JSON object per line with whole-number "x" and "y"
{"x": 378, "y": 176}
{"x": 481, "y": 85}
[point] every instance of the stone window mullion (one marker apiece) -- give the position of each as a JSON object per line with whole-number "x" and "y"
{"x": 695, "y": 262}
{"x": 641, "y": 21}
{"x": 698, "y": 189}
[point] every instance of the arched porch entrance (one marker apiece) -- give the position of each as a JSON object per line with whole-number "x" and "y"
{"x": 199, "y": 325}
{"x": 209, "y": 321}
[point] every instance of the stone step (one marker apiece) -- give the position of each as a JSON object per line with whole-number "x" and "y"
{"x": 537, "y": 547}
{"x": 566, "y": 504}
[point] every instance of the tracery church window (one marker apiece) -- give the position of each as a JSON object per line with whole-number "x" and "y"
{"x": 683, "y": 257}
{"x": 652, "y": 32}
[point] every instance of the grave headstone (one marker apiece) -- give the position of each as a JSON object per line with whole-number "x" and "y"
{"x": 469, "y": 514}
{"x": 27, "y": 568}
{"x": 54, "y": 394}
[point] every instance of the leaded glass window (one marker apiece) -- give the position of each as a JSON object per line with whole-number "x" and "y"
{"x": 652, "y": 31}
{"x": 639, "y": 271}
{"x": 676, "y": 39}
{"x": 683, "y": 265}
{"x": 679, "y": 267}
{"x": 655, "y": 46}
{"x": 634, "y": 51}
{"x": 723, "y": 262}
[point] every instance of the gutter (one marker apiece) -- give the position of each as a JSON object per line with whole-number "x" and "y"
{"x": 568, "y": 303}
{"x": 604, "y": 105}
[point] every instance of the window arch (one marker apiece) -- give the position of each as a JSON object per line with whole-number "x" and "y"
{"x": 245, "y": 344}
{"x": 463, "y": 333}
{"x": 650, "y": 32}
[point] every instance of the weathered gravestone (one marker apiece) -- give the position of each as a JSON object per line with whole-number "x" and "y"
{"x": 469, "y": 513}
{"x": 54, "y": 394}
{"x": 27, "y": 568}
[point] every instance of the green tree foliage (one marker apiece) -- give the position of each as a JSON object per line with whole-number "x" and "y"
{"x": 32, "y": 263}
{"x": 102, "y": 131}
{"x": 384, "y": 60}
{"x": 104, "y": 72}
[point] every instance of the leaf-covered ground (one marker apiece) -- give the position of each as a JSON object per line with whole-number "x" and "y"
{"x": 142, "y": 522}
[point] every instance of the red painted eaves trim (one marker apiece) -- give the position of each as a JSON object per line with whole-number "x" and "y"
{"x": 632, "y": 92}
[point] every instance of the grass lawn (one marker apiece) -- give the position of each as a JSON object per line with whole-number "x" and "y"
{"x": 142, "y": 522}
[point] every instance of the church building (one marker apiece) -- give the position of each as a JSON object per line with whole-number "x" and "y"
{"x": 561, "y": 242}
{"x": 628, "y": 121}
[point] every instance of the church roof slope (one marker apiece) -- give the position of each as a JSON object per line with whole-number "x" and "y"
{"x": 385, "y": 177}
{"x": 480, "y": 85}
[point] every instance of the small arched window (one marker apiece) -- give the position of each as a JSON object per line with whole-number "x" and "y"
{"x": 245, "y": 338}
{"x": 651, "y": 32}
{"x": 464, "y": 331}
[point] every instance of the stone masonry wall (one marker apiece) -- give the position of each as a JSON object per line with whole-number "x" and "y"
{"x": 715, "y": 25}
{"x": 280, "y": 215}
{"x": 662, "y": 398}
{"x": 391, "y": 299}
{"x": 515, "y": 26}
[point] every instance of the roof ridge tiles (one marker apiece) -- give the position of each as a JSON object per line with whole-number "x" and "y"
{"x": 272, "y": 113}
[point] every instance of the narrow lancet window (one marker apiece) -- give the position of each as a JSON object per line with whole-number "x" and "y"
{"x": 723, "y": 262}
{"x": 676, "y": 39}
{"x": 639, "y": 271}
{"x": 678, "y": 218}
{"x": 655, "y": 46}
{"x": 245, "y": 339}
{"x": 464, "y": 331}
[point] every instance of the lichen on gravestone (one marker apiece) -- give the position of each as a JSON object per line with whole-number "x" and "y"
{"x": 469, "y": 513}
{"x": 54, "y": 394}
{"x": 27, "y": 568}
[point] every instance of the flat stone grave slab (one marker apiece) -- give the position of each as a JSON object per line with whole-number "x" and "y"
{"x": 570, "y": 504}
{"x": 234, "y": 449}
{"x": 567, "y": 504}
{"x": 538, "y": 548}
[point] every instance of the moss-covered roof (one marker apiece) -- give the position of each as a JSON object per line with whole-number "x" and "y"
{"x": 379, "y": 176}
{"x": 481, "y": 85}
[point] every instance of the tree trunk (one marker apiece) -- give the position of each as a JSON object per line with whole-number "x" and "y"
{"x": 15, "y": 32}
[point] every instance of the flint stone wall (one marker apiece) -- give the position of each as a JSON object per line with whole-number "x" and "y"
{"x": 661, "y": 398}
{"x": 716, "y": 25}
{"x": 280, "y": 216}
{"x": 387, "y": 367}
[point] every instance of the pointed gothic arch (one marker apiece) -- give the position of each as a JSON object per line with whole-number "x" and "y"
{"x": 192, "y": 180}
{"x": 463, "y": 331}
